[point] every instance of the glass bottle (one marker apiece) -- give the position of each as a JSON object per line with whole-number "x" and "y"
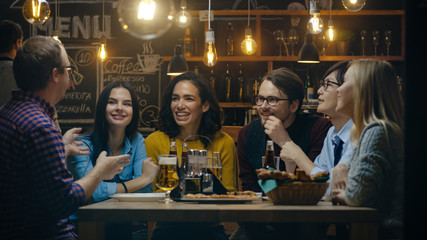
{"x": 188, "y": 41}
{"x": 212, "y": 79}
{"x": 241, "y": 80}
{"x": 229, "y": 40}
{"x": 309, "y": 92}
{"x": 228, "y": 80}
{"x": 184, "y": 160}
{"x": 269, "y": 155}
{"x": 255, "y": 86}
{"x": 172, "y": 148}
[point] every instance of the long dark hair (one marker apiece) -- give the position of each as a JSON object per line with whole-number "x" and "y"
{"x": 99, "y": 136}
{"x": 210, "y": 122}
{"x": 341, "y": 68}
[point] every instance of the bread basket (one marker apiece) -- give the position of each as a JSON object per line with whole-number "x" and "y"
{"x": 298, "y": 193}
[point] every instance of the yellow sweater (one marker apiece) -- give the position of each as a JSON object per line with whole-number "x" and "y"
{"x": 158, "y": 143}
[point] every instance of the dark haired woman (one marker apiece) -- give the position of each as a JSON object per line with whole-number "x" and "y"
{"x": 189, "y": 108}
{"x": 116, "y": 132}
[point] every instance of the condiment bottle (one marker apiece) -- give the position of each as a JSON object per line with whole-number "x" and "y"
{"x": 269, "y": 155}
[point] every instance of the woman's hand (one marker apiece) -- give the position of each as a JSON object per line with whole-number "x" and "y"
{"x": 149, "y": 170}
{"x": 339, "y": 179}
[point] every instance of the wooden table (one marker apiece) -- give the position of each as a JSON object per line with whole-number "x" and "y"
{"x": 362, "y": 221}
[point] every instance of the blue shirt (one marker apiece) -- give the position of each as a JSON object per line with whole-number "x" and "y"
{"x": 325, "y": 160}
{"x": 81, "y": 165}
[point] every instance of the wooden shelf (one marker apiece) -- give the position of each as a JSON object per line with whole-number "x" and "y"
{"x": 235, "y": 105}
{"x": 285, "y": 58}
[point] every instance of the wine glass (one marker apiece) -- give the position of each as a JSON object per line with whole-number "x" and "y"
{"x": 387, "y": 41}
{"x": 293, "y": 40}
{"x": 363, "y": 41}
{"x": 167, "y": 179}
{"x": 376, "y": 39}
{"x": 279, "y": 39}
{"x": 215, "y": 165}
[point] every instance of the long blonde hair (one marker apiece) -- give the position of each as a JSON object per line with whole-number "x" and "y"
{"x": 377, "y": 97}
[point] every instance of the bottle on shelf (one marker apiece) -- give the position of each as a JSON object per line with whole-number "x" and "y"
{"x": 269, "y": 155}
{"x": 309, "y": 92}
{"x": 189, "y": 44}
{"x": 212, "y": 79}
{"x": 241, "y": 80}
{"x": 255, "y": 86}
{"x": 229, "y": 50}
{"x": 228, "y": 81}
{"x": 196, "y": 69}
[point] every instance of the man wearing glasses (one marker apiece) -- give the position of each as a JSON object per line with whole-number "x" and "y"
{"x": 37, "y": 192}
{"x": 278, "y": 103}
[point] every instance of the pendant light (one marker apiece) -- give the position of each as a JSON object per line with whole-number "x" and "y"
{"x": 177, "y": 65}
{"x": 55, "y": 34}
{"x": 36, "y": 11}
{"x": 353, "y": 5}
{"x": 184, "y": 18}
{"x": 315, "y": 24}
{"x": 146, "y": 19}
{"x": 210, "y": 56}
{"x": 102, "y": 48}
{"x": 308, "y": 52}
{"x": 248, "y": 45}
{"x": 331, "y": 31}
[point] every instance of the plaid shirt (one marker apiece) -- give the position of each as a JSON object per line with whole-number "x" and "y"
{"x": 37, "y": 192}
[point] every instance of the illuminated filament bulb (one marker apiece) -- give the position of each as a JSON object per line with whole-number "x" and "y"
{"x": 36, "y": 11}
{"x": 36, "y": 8}
{"x": 210, "y": 57}
{"x": 102, "y": 51}
{"x": 331, "y": 31}
{"x": 248, "y": 45}
{"x": 353, "y": 5}
{"x": 315, "y": 24}
{"x": 146, "y": 10}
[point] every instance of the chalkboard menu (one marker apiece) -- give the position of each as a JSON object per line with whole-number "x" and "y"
{"x": 78, "y": 105}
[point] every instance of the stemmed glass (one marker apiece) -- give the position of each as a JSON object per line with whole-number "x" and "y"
{"x": 293, "y": 40}
{"x": 375, "y": 38}
{"x": 167, "y": 179}
{"x": 387, "y": 41}
{"x": 324, "y": 40}
{"x": 363, "y": 40}
{"x": 215, "y": 165}
{"x": 279, "y": 39}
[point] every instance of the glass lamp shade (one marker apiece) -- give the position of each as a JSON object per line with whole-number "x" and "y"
{"x": 183, "y": 19}
{"x": 36, "y": 11}
{"x": 177, "y": 65}
{"x": 315, "y": 24}
{"x": 308, "y": 52}
{"x": 353, "y": 5}
{"x": 146, "y": 19}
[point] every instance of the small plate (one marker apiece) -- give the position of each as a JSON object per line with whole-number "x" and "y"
{"x": 138, "y": 197}
{"x": 214, "y": 200}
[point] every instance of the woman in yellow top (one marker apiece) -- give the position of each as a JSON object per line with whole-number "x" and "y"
{"x": 189, "y": 108}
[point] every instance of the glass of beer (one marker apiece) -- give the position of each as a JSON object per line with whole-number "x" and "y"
{"x": 214, "y": 164}
{"x": 167, "y": 179}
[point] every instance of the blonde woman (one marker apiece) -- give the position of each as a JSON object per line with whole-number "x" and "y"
{"x": 370, "y": 97}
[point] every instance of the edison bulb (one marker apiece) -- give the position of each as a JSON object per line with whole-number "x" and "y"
{"x": 210, "y": 56}
{"x": 36, "y": 11}
{"x": 353, "y": 5}
{"x": 315, "y": 24}
{"x": 184, "y": 19}
{"x": 146, "y": 19}
{"x": 330, "y": 34}
{"x": 102, "y": 52}
{"x": 248, "y": 45}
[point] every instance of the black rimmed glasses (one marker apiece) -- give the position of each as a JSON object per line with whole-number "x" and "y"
{"x": 70, "y": 69}
{"x": 271, "y": 100}
{"x": 326, "y": 83}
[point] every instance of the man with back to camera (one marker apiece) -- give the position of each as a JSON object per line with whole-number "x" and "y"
{"x": 10, "y": 40}
{"x": 37, "y": 191}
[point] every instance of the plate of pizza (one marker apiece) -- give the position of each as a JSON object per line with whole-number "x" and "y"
{"x": 231, "y": 197}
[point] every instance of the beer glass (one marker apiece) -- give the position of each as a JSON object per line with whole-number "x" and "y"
{"x": 167, "y": 179}
{"x": 215, "y": 165}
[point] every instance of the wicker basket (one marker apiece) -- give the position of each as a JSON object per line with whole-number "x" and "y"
{"x": 298, "y": 193}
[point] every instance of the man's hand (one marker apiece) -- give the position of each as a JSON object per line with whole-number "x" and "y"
{"x": 71, "y": 146}
{"x": 276, "y": 131}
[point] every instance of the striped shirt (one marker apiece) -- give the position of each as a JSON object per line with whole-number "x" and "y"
{"x": 37, "y": 192}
